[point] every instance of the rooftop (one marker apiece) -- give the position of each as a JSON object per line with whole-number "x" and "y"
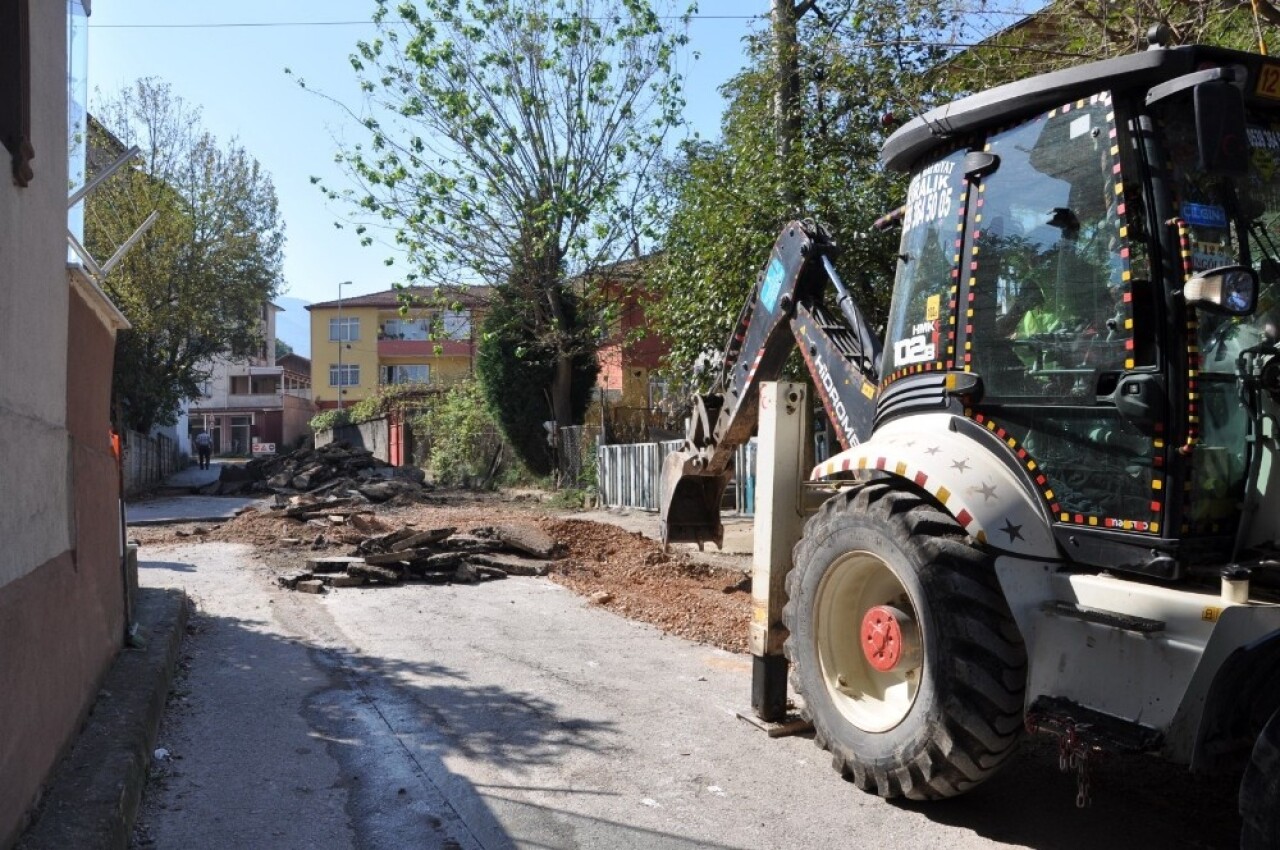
{"x": 421, "y": 296}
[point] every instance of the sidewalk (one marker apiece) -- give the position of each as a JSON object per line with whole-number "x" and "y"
{"x": 164, "y": 510}
{"x": 194, "y": 477}
{"x": 93, "y": 796}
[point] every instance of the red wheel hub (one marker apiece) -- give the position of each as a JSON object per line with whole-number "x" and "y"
{"x": 882, "y": 640}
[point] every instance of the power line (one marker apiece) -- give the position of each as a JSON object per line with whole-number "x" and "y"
{"x": 270, "y": 24}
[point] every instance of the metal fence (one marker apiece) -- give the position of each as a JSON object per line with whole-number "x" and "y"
{"x": 148, "y": 461}
{"x": 576, "y": 453}
{"x": 629, "y": 475}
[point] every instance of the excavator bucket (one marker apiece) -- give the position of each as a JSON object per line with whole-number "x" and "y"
{"x": 690, "y": 501}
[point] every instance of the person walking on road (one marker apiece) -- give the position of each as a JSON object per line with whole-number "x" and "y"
{"x": 204, "y": 447}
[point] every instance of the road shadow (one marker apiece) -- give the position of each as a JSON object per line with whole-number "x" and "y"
{"x": 395, "y": 727}
{"x": 1135, "y": 801}
{"x": 390, "y": 725}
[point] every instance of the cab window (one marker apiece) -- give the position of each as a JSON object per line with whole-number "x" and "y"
{"x": 921, "y": 322}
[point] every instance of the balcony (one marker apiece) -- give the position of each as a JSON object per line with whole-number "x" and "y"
{"x": 256, "y": 401}
{"x": 424, "y": 347}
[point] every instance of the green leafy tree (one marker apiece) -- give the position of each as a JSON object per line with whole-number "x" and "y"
{"x": 516, "y": 363}
{"x": 514, "y": 144}
{"x": 194, "y": 286}
{"x": 283, "y": 349}
{"x": 1069, "y": 32}
{"x": 856, "y": 63}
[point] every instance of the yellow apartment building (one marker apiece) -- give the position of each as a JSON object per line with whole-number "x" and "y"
{"x": 362, "y": 342}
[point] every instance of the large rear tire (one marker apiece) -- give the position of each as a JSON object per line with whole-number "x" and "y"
{"x": 902, "y": 646}
{"x": 1260, "y": 791}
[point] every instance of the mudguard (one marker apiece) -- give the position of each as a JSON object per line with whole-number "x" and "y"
{"x": 973, "y": 484}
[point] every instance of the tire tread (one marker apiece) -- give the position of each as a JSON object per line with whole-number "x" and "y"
{"x": 982, "y": 715}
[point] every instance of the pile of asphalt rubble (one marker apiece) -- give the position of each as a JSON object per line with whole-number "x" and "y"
{"x": 435, "y": 556}
{"x": 335, "y": 467}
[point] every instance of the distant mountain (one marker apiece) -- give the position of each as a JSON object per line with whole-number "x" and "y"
{"x": 294, "y": 324}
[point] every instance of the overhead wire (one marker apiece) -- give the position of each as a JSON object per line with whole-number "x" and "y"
{"x": 269, "y": 24}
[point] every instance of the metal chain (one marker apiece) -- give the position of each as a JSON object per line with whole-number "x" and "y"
{"x": 1074, "y": 754}
{"x": 1083, "y": 797}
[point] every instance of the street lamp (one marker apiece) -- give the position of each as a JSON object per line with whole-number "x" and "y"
{"x": 342, "y": 378}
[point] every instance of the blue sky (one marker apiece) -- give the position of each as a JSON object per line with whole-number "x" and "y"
{"x": 235, "y": 74}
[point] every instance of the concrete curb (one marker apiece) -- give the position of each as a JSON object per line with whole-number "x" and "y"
{"x": 93, "y": 797}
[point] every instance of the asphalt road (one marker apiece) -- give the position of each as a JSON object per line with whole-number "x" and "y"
{"x": 516, "y": 714}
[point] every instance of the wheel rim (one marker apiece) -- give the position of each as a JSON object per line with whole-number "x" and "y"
{"x": 859, "y": 590}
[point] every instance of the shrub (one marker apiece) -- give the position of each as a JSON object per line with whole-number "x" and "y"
{"x": 327, "y": 419}
{"x": 378, "y": 404}
{"x": 463, "y": 445}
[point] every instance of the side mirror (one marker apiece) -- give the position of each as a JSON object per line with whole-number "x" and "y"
{"x": 1221, "y": 133}
{"x": 1232, "y": 290}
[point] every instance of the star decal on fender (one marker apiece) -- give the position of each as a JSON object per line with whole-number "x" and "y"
{"x": 933, "y": 451}
{"x": 988, "y": 492}
{"x": 960, "y": 465}
{"x": 1014, "y": 531}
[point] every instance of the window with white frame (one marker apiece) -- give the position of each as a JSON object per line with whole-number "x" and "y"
{"x": 456, "y": 324}
{"x": 407, "y": 373}
{"x": 346, "y": 329}
{"x": 346, "y": 375}
{"x": 406, "y": 329}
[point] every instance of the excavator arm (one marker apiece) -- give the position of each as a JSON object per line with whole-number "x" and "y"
{"x": 787, "y": 307}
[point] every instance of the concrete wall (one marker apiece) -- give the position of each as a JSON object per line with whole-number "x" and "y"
{"x": 148, "y": 461}
{"x": 62, "y": 600}
{"x": 374, "y": 435}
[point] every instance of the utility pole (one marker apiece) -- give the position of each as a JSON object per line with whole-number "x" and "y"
{"x": 786, "y": 96}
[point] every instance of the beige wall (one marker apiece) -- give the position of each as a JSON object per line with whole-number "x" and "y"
{"x": 62, "y": 608}
{"x": 297, "y": 416}
{"x": 362, "y": 352}
{"x": 34, "y": 297}
{"x": 449, "y": 370}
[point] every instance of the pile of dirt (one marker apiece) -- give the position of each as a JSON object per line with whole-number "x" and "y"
{"x": 628, "y": 573}
{"x": 620, "y": 570}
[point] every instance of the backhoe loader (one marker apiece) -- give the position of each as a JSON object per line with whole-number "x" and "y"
{"x": 1056, "y": 503}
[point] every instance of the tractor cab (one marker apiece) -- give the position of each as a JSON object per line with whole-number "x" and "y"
{"x": 1101, "y": 255}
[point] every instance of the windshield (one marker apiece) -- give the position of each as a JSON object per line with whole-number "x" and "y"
{"x": 1226, "y": 221}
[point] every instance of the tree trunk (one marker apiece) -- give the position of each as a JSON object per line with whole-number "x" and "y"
{"x": 561, "y": 390}
{"x": 562, "y": 377}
